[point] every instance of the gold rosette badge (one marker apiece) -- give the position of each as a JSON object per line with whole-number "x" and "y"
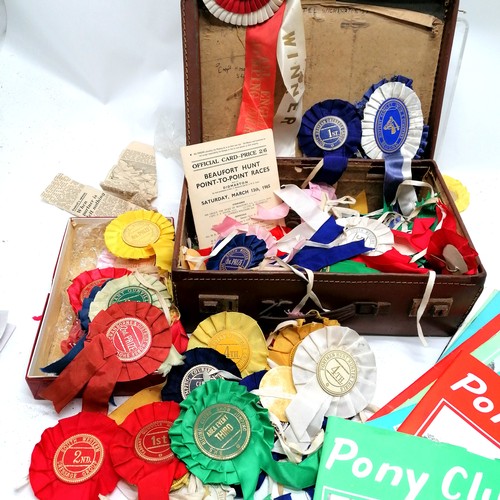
{"x": 140, "y": 234}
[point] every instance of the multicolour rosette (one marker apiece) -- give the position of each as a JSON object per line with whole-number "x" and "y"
{"x": 200, "y": 364}
{"x": 243, "y": 12}
{"x": 224, "y": 436}
{"x": 330, "y": 130}
{"x": 140, "y": 450}
{"x": 72, "y": 459}
{"x": 240, "y": 252}
{"x": 131, "y": 288}
{"x": 140, "y": 234}
{"x": 140, "y": 334}
{"x": 393, "y": 127}
{"x": 236, "y": 336}
{"x": 82, "y": 284}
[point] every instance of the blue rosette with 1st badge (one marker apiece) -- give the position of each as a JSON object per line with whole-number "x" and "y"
{"x": 392, "y": 130}
{"x": 330, "y": 129}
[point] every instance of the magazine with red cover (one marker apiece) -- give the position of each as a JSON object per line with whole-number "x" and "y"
{"x": 462, "y": 408}
{"x": 416, "y": 390}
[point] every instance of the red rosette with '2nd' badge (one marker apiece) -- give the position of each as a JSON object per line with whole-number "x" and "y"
{"x": 140, "y": 333}
{"x": 72, "y": 459}
{"x": 141, "y": 452}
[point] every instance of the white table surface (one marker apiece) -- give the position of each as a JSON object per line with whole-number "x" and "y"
{"x": 79, "y": 81}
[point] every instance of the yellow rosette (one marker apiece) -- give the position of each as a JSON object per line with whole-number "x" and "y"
{"x": 140, "y": 234}
{"x": 235, "y": 335}
{"x": 458, "y": 191}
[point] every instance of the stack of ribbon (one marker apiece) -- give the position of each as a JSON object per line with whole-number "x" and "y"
{"x": 239, "y": 415}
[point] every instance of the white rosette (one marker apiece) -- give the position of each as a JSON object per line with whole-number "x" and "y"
{"x": 376, "y": 235}
{"x": 395, "y": 90}
{"x": 218, "y": 8}
{"x": 334, "y": 372}
{"x": 389, "y": 100}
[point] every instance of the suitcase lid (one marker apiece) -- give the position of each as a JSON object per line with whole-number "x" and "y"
{"x": 349, "y": 47}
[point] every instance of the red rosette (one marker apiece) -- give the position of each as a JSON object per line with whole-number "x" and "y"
{"x": 72, "y": 459}
{"x": 82, "y": 285}
{"x": 141, "y": 453}
{"x": 140, "y": 333}
{"x": 242, "y": 6}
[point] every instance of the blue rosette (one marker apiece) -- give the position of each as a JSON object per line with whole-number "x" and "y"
{"x": 331, "y": 130}
{"x": 393, "y": 130}
{"x": 200, "y": 363}
{"x": 240, "y": 252}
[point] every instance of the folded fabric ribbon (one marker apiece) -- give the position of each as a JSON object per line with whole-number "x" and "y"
{"x": 322, "y": 250}
{"x": 330, "y": 130}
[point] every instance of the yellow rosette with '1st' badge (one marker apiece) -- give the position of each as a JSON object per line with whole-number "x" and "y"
{"x": 140, "y": 234}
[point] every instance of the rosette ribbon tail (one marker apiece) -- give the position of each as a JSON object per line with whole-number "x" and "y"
{"x": 397, "y": 170}
{"x": 97, "y": 359}
{"x": 294, "y": 476}
{"x": 156, "y": 485}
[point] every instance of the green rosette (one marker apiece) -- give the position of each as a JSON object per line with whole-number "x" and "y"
{"x": 224, "y": 436}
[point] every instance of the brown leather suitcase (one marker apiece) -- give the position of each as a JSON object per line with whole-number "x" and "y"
{"x": 367, "y": 44}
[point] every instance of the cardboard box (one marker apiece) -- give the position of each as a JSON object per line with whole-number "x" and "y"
{"x": 349, "y": 48}
{"x": 81, "y": 247}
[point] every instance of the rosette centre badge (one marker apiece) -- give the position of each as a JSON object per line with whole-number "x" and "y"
{"x": 152, "y": 443}
{"x": 222, "y": 431}
{"x": 131, "y": 337}
{"x": 337, "y": 372}
{"x": 391, "y": 125}
{"x": 78, "y": 458}
{"x": 195, "y": 376}
{"x": 141, "y": 233}
{"x": 330, "y": 133}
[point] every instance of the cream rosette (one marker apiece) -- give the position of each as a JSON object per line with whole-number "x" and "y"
{"x": 243, "y": 12}
{"x": 334, "y": 372}
{"x": 376, "y": 235}
{"x": 135, "y": 287}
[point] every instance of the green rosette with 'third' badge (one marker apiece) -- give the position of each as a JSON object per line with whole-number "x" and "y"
{"x": 224, "y": 436}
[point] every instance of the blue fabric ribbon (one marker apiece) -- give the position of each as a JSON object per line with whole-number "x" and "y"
{"x": 252, "y": 381}
{"x": 321, "y": 136}
{"x": 315, "y": 258}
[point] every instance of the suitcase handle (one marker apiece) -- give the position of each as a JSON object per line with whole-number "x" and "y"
{"x": 278, "y": 310}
